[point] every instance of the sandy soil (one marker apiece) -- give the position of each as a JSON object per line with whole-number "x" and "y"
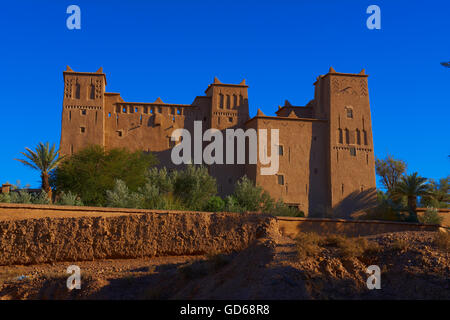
{"x": 412, "y": 266}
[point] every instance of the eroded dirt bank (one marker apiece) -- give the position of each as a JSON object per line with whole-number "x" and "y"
{"x": 413, "y": 266}
{"x": 53, "y": 239}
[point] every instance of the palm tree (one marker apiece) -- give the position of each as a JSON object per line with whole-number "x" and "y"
{"x": 411, "y": 187}
{"x": 44, "y": 159}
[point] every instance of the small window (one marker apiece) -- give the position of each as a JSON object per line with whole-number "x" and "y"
{"x": 82, "y": 129}
{"x": 280, "y": 150}
{"x": 353, "y": 152}
{"x": 230, "y": 119}
{"x": 92, "y": 92}
{"x": 151, "y": 110}
{"x": 281, "y": 180}
{"x": 77, "y": 90}
{"x": 109, "y": 115}
{"x": 83, "y": 112}
{"x": 341, "y": 139}
{"x": 173, "y": 119}
{"x": 119, "y": 133}
{"x": 350, "y": 113}
{"x": 221, "y": 101}
{"x": 124, "y": 110}
{"x": 178, "y": 111}
{"x": 136, "y": 109}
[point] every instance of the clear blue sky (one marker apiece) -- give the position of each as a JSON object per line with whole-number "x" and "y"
{"x": 173, "y": 49}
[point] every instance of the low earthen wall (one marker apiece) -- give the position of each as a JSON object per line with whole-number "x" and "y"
{"x": 31, "y": 234}
{"x": 290, "y": 226}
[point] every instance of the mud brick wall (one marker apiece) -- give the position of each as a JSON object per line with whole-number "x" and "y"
{"x": 127, "y": 235}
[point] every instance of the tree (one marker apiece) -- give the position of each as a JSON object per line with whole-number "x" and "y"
{"x": 390, "y": 171}
{"x": 45, "y": 160}
{"x": 411, "y": 186}
{"x": 438, "y": 196}
{"x": 92, "y": 171}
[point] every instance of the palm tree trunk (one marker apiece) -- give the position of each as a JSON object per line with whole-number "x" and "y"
{"x": 412, "y": 204}
{"x": 46, "y": 185}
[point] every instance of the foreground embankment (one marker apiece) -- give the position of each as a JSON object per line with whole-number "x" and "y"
{"x": 31, "y": 234}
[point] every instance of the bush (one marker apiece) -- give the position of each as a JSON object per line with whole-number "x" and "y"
{"x": 231, "y": 205}
{"x": 431, "y": 216}
{"x": 69, "y": 199}
{"x": 157, "y": 191}
{"x": 40, "y": 198}
{"x": 194, "y": 186}
{"x": 282, "y": 209}
{"x": 5, "y": 197}
{"x": 21, "y": 196}
{"x": 92, "y": 171}
{"x": 122, "y": 197}
{"x": 249, "y": 197}
{"x": 215, "y": 204}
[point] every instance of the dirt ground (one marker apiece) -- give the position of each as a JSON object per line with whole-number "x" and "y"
{"x": 413, "y": 266}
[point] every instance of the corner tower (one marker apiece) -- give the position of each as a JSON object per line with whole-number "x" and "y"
{"x": 229, "y": 104}
{"x": 343, "y": 99}
{"x": 83, "y": 110}
{"x": 229, "y": 110}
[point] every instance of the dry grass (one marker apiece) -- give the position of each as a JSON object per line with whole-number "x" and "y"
{"x": 442, "y": 241}
{"x": 400, "y": 245}
{"x": 309, "y": 244}
{"x": 348, "y": 247}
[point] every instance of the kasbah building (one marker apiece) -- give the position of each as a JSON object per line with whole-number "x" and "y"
{"x": 326, "y": 155}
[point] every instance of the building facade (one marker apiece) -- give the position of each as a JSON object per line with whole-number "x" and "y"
{"x": 325, "y": 148}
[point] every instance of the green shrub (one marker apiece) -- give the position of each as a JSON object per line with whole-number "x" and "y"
{"x": 21, "y": 196}
{"x": 69, "y": 199}
{"x": 215, "y": 204}
{"x": 431, "y": 216}
{"x": 122, "y": 197}
{"x": 5, "y": 197}
{"x": 40, "y": 198}
{"x": 231, "y": 205}
{"x": 250, "y": 197}
{"x": 194, "y": 186}
{"x": 282, "y": 209}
